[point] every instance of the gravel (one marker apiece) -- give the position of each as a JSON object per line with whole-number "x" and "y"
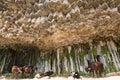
{"x": 68, "y": 78}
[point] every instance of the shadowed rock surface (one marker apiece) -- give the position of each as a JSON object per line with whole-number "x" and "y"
{"x": 50, "y": 24}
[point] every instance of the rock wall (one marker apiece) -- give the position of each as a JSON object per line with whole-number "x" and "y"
{"x": 49, "y": 24}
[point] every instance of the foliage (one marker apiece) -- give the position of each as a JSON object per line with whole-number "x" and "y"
{"x": 8, "y": 75}
{"x": 46, "y": 57}
{"x": 83, "y": 74}
{"x": 93, "y": 51}
{"x": 18, "y": 54}
{"x": 65, "y": 73}
{"x": 66, "y": 54}
{"x": 81, "y": 54}
{"x": 104, "y": 49}
{"x": 72, "y": 53}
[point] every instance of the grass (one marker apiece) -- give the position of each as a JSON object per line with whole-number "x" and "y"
{"x": 10, "y": 75}
{"x": 64, "y": 74}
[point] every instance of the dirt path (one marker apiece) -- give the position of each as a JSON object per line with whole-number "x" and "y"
{"x": 110, "y": 76}
{"x": 68, "y": 78}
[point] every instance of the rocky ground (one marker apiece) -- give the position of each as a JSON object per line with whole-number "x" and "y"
{"x": 70, "y": 78}
{"x": 85, "y": 78}
{"x": 110, "y": 76}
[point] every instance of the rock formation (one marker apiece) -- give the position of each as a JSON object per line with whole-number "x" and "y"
{"x": 50, "y": 24}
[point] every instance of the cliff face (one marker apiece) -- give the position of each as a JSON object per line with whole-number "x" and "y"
{"x": 50, "y": 24}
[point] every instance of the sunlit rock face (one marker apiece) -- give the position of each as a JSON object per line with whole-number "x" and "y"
{"x": 49, "y": 24}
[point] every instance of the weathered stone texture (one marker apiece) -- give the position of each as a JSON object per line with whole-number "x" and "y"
{"x": 54, "y": 23}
